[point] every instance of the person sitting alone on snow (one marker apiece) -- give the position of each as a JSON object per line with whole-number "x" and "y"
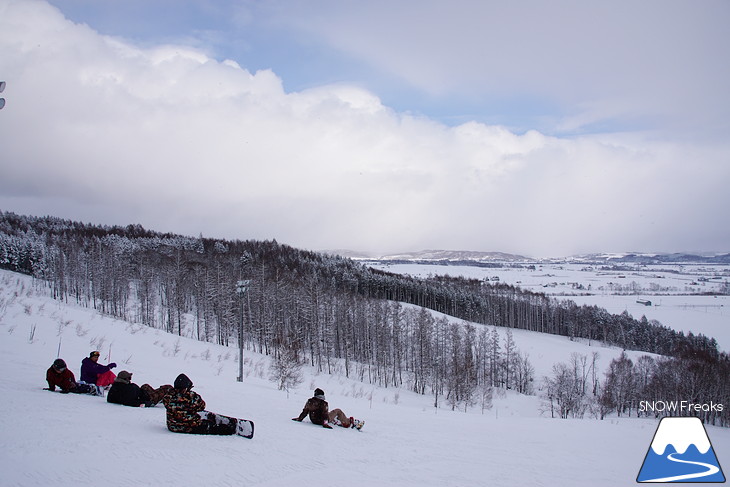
{"x": 92, "y": 372}
{"x": 58, "y": 375}
{"x": 319, "y": 413}
{"x": 127, "y": 393}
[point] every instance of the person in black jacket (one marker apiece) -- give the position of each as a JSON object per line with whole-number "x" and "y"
{"x": 127, "y": 393}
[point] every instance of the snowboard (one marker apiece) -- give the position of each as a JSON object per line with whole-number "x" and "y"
{"x": 89, "y": 391}
{"x": 358, "y": 424}
{"x": 226, "y": 425}
{"x": 244, "y": 427}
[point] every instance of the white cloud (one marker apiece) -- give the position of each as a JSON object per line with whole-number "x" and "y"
{"x": 660, "y": 62}
{"x": 99, "y": 129}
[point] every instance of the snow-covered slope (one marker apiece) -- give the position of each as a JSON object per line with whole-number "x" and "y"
{"x": 51, "y": 439}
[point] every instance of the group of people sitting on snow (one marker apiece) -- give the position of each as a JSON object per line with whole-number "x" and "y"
{"x": 95, "y": 378}
{"x": 185, "y": 408}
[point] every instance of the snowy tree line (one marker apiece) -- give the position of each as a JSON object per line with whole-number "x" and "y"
{"x": 692, "y": 384}
{"x": 294, "y": 307}
{"x": 333, "y": 312}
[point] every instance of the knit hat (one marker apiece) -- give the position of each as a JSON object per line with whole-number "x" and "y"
{"x": 183, "y": 382}
{"x": 318, "y": 392}
{"x": 124, "y": 376}
{"x": 94, "y": 353}
{"x": 59, "y": 365}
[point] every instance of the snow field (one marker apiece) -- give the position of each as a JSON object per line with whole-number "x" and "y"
{"x": 66, "y": 440}
{"x": 678, "y": 309}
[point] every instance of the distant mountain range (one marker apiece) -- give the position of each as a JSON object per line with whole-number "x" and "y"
{"x": 644, "y": 258}
{"x": 435, "y": 256}
{"x": 491, "y": 258}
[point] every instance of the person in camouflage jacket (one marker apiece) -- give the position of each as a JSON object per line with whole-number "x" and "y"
{"x": 186, "y": 413}
{"x": 183, "y": 406}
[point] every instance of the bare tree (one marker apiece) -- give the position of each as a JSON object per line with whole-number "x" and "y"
{"x": 286, "y": 370}
{"x": 619, "y": 390}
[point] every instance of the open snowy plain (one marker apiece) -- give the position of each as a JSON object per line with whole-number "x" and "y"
{"x": 681, "y": 296}
{"x": 50, "y": 439}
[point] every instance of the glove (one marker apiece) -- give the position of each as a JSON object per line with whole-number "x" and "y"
{"x": 112, "y": 365}
{"x": 296, "y": 419}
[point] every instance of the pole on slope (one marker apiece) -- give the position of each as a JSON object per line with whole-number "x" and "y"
{"x": 241, "y": 288}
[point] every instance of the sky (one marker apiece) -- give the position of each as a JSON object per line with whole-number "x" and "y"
{"x": 538, "y": 128}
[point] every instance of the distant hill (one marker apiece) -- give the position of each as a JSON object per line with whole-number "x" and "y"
{"x": 471, "y": 257}
{"x": 457, "y": 255}
{"x": 436, "y": 256}
{"x": 648, "y": 259}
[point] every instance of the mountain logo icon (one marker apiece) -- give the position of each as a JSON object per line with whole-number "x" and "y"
{"x": 681, "y": 452}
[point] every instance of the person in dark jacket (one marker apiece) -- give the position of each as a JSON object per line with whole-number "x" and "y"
{"x": 186, "y": 413}
{"x": 318, "y": 410}
{"x": 58, "y": 375}
{"x": 91, "y": 369}
{"x": 127, "y": 393}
